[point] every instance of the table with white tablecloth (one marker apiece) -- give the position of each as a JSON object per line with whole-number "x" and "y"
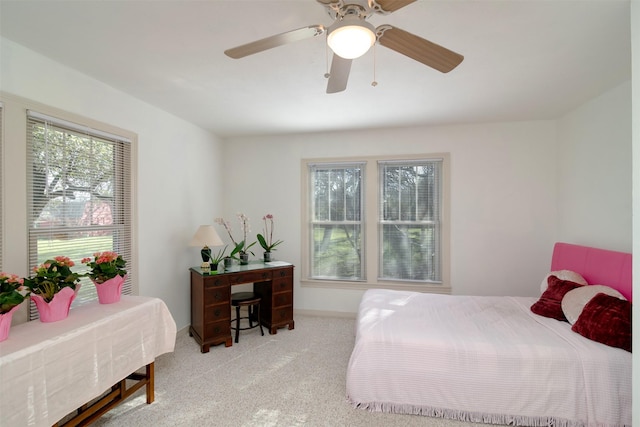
{"x": 48, "y": 370}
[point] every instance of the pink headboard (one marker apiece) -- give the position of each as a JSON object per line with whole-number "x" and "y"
{"x": 597, "y": 266}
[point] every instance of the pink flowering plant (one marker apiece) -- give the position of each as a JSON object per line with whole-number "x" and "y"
{"x": 241, "y": 247}
{"x": 12, "y": 292}
{"x": 104, "y": 266}
{"x": 266, "y": 239}
{"x": 51, "y": 277}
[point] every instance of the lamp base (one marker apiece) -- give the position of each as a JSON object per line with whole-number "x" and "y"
{"x": 205, "y": 267}
{"x": 205, "y": 253}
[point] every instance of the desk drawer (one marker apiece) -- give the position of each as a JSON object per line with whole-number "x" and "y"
{"x": 283, "y": 299}
{"x": 282, "y": 272}
{"x": 282, "y": 315}
{"x": 282, "y": 284}
{"x": 216, "y": 295}
{"x": 215, "y": 281}
{"x": 217, "y": 329}
{"x": 250, "y": 277}
{"x": 217, "y": 313}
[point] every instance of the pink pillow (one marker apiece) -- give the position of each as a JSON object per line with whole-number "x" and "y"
{"x": 607, "y": 320}
{"x": 550, "y": 302}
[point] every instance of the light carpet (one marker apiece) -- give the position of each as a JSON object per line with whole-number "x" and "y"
{"x": 293, "y": 378}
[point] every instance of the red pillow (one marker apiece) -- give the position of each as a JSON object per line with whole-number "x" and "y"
{"x": 607, "y": 320}
{"x": 550, "y": 302}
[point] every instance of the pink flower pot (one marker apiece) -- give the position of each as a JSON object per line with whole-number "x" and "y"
{"x": 5, "y": 323}
{"x": 110, "y": 291}
{"x": 58, "y": 307}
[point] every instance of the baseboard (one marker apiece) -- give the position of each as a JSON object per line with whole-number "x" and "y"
{"x": 325, "y": 313}
{"x": 316, "y": 313}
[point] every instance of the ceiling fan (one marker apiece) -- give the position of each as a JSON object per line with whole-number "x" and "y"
{"x": 350, "y": 36}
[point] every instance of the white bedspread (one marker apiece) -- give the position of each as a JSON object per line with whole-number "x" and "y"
{"x": 483, "y": 359}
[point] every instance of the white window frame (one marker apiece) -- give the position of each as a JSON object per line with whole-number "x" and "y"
{"x": 99, "y": 130}
{"x": 371, "y": 233}
{"x": 351, "y": 225}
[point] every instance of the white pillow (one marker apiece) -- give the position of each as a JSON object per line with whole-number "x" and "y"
{"x": 563, "y": 275}
{"x": 574, "y": 301}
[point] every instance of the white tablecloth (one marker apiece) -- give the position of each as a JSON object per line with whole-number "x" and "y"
{"x": 49, "y": 369}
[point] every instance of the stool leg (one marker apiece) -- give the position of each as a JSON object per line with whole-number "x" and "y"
{"x": 237, "y": 322}
{"x": 250, "y": 314}
{"x": 259, "y": 322}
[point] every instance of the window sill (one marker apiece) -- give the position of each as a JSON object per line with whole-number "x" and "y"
{"x": 397, "y": 286}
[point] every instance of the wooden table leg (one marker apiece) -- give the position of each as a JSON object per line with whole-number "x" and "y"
{"x": 150, "y": 383}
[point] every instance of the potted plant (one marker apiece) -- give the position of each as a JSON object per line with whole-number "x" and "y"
{"x": 266, "y": 239}
{"x": 107, "y": 272}
{"x": 53, "y": 288}
{"x": 241, "y": 248}
{"x": 12, "y": 294}
{"x": 216, "y": 259}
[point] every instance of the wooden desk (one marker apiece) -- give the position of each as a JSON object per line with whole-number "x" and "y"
{"x": 49, "y": 370}
{"x": 211, "y": 300}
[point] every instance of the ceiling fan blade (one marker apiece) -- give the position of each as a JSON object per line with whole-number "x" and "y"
{"x": 339, "y": 74}
{"x": 275, "y": 41}
{"x": 429, "y": 53}
{"x": 393, "y": 5}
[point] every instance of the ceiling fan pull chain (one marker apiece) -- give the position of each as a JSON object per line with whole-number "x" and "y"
{"x": 326, "y": 51}
{"x": 374, "y": 83}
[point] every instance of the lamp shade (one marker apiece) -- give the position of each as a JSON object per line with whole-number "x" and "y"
{"x": 206, "y": 235}
{"x": 351, "y": 37}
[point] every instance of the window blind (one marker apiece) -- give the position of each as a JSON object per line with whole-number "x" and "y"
{"x": 79, "y": 196}
{"x": 336, "y": 226}
{"x": 410, "y": 212}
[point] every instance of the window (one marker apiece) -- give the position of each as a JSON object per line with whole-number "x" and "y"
{"x": 79, "y": 195}
{"x": 336, "y": 221}
{"x": 409, "y": 220}
{"x": 376, "y": 222}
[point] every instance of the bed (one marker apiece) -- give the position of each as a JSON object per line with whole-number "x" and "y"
{"x": 491, "y": 359}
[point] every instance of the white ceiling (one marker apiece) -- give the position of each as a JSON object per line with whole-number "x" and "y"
{"x": 524, "y": 60}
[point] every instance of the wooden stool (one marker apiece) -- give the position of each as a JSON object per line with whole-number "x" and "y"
{"x": 252, "y": 302}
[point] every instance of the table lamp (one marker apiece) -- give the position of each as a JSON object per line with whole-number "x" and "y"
{"x": 205, "y": 237}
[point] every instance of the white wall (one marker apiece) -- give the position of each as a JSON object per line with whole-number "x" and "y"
{"x": 516, "y": 189}
{"x": 177, "y": 166}
{"x": 504, "y": 182}
{"x": 594, "y": 172}
{"x": 503, "y": 185}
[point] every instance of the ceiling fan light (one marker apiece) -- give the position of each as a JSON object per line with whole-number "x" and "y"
{"x": 350, "y": 39}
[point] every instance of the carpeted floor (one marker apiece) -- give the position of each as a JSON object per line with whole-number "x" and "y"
{"x": 293, "y": 378}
